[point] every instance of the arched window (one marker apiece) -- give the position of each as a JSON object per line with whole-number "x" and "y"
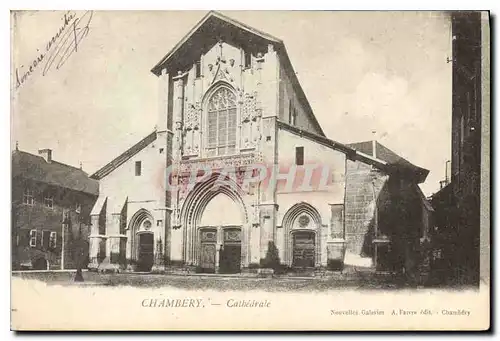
{"x": 221, "y": 123}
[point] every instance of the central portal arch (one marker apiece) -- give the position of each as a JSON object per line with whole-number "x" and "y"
{"x": 215, "y": 218}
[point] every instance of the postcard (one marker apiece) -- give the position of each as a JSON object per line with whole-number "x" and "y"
{"x": 250, "y": 170}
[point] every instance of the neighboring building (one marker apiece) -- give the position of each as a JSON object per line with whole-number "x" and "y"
{"x": 230, "y": 98}
{"x": 403, "y": 220}
{"x": 457, "y": 204}
{"x": 49, "y": 197}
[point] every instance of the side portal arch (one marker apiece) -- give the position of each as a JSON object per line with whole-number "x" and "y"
{"x": 302, "y": 234}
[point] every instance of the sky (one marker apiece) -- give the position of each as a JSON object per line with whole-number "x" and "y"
{"x": 367, "y": 75}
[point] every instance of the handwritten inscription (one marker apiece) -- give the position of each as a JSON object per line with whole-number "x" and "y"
{"x": 58, "y": 48}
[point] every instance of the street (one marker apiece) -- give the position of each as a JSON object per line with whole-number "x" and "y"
{"x": 210, "y": 282}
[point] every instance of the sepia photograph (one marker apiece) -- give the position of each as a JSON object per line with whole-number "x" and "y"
{"x": 250, "y": 170}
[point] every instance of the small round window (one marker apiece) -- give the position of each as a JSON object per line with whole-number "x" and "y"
{"x": 147, "y": 225}
{"x": 304, "y": 220}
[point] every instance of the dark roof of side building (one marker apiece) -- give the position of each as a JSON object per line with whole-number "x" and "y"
{"x": 34, "y": 167}
{"x": 385, "y": 154}
{"x": 124, "y": 157}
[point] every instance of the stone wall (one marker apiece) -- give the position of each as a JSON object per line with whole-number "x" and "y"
{"x": 363, "y": 185}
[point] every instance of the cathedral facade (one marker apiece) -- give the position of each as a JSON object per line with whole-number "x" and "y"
{"x": 238, "y": 171}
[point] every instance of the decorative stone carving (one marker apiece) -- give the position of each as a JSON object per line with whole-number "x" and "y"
{"x": 191, "y": 129}
{"x": 217, "y": 163}
{"x": 240, "y": 176}
{"x": 250, "y": 121}
{"x": 248, "y": 108}
{"x": 304, "y": 221}
{"x": 236, "y": 162}
{"x": 219, "y": 75}
{"x": 221, "y": 72}
{"x": 232, "y": 235}
{"x": 176, "y": 218}
{"x": 192, "y": 120}
{"x": 183, "y": 187}
{"x": 208, "y": 236}
{"x": 146, "y": 225}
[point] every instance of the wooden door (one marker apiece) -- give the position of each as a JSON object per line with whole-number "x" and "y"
{"x": 303, "y": 249}
{"x": 207, "y": 261}
{"x": 230, "y": 261}
{"x": 230, "y": 257}
{"x": 146, "y": 251}
{"x": 208, "y": 250}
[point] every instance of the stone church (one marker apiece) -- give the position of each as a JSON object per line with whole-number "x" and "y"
{"x": 230, "y": 99}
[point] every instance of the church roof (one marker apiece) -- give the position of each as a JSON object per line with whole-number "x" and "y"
{"x": 210, "y": 29}
{"x": 385, "y": 154}
{"x": 34, "y": 167}
{"x": 385, "y": 159}
{"x": 124, "y": 157}
{"x": 214, "y": 27}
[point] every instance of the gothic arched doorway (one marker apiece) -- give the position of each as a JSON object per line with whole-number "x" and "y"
{"x": 216, "y": 236}
{"x": 302, "y": 230}
{"x": 220, "y": 235}
{"x": 142, "y": 240}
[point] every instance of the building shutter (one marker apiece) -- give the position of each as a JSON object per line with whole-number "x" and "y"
{"x": 45, "y": 239}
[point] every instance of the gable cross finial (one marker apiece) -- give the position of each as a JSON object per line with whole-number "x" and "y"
{"x": 220, "y": 58}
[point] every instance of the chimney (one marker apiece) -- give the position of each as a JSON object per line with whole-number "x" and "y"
{"x": 374, "y": 144}
{"x": 46, "y": 154}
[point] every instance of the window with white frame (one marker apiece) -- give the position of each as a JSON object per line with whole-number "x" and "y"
{"x": 48, "y": 200}
{"x": 53, "y": 240}
{"x": 33, "y": 238}
{"x": 221, "y": 123}
{"x": 28, "y": 197}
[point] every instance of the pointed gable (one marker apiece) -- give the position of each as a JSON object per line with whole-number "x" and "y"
{"x": 215, "y": 27}
{"x": 212, "y": 28}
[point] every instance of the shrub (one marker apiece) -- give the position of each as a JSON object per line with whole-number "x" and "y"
{"x": 272, "y": 259}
